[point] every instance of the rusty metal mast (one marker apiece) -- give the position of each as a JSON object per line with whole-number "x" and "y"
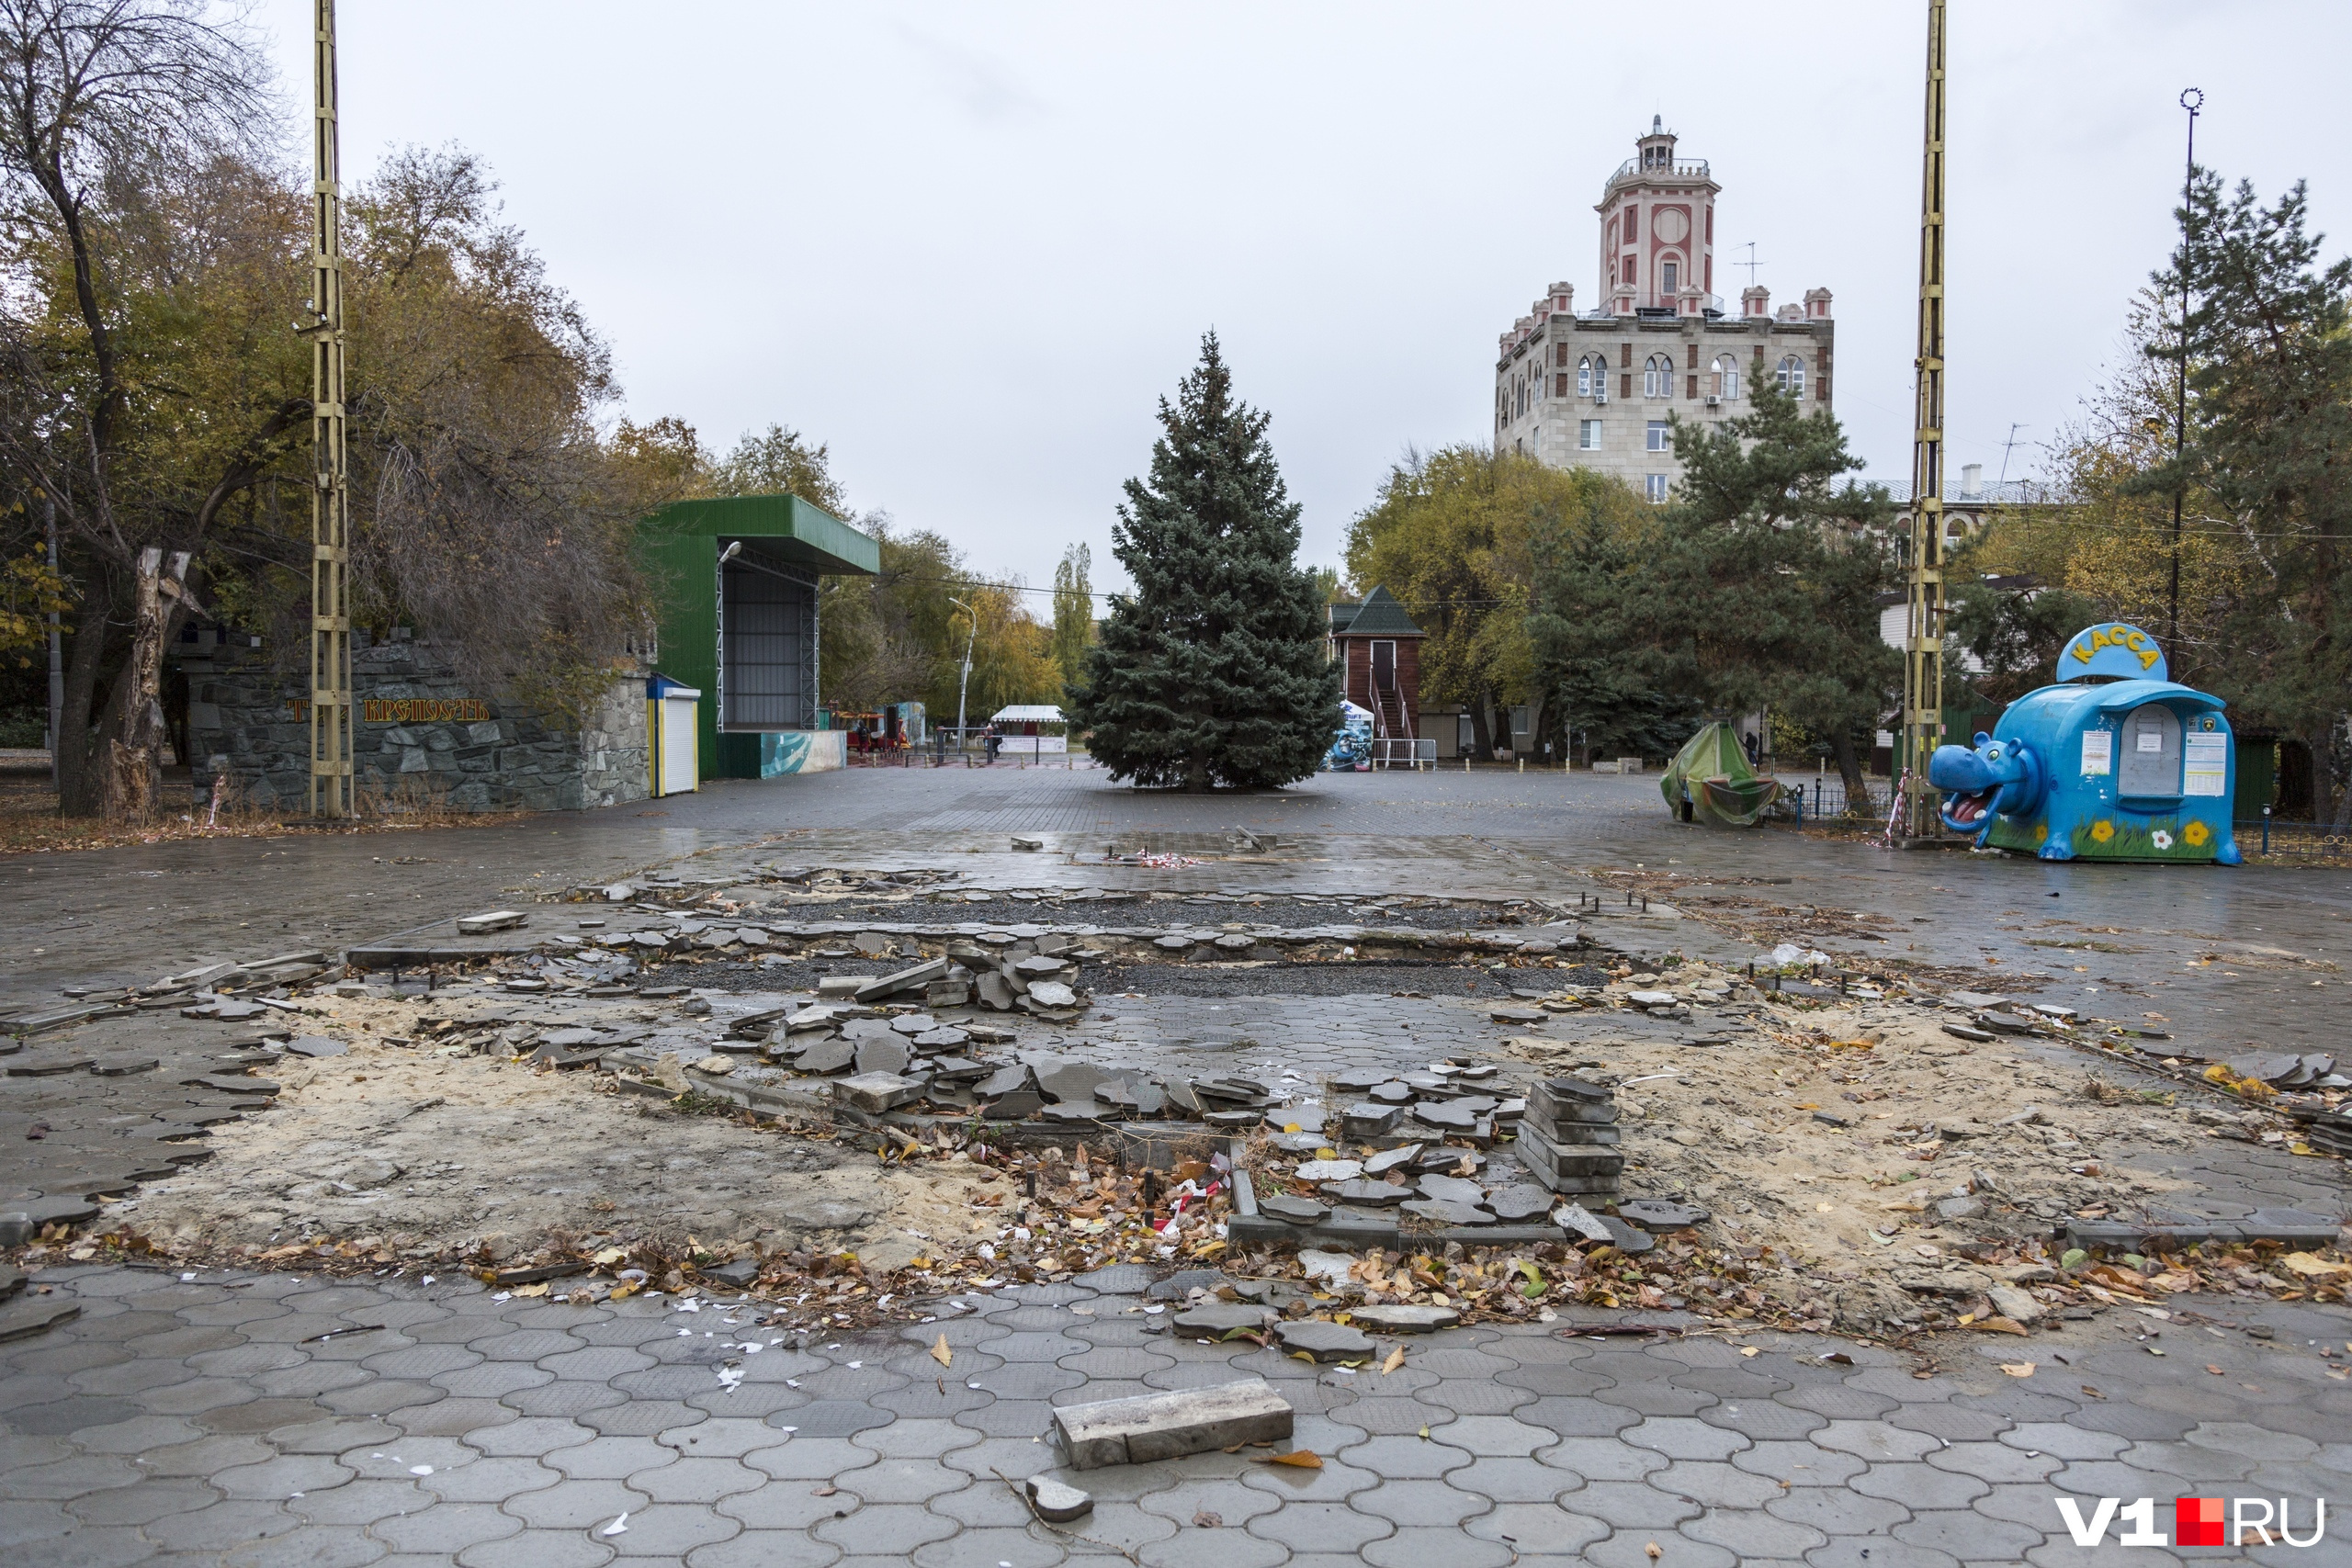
{"x": 1923, "y": 642}
{"x": 331, "y": 705}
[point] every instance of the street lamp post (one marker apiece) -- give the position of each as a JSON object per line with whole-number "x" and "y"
{"x": 2192, "y": 100}
{"x": 964, "y": 680}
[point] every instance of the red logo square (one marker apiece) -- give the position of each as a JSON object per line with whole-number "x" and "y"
{"x": 2197, "y": 1521}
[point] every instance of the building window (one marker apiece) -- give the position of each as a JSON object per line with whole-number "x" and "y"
{"x": 1793, "y": 376}
{"x": 1726, "y": 381}
{"x": 1560, "y": 385}
{"x": 1661, "y": 438}
{"x": 1589, "y": 434}
{"x": 1654, "y": 487}
{"x": 1633, "y": 226}
{"x": 1670, "y": 278}
{"x": 1560, "y": 354}
{"x": 1657, "y": 376}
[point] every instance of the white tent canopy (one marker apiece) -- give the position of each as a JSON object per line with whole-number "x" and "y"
{"x": 1029, "y": 713}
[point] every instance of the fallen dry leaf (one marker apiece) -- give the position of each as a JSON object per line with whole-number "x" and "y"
{"x": 2312, "y": 1267}
{"x": 2017, "y": 1369}
{"x": 2212, "y": 1368}
{"x": 1207, "y": 1520}
{"x": 1998, "y": 1324}
{"x": 1652, "y": 1551}
{"x": 827, "y": 1490}
{"x": 1396, "y": 1360}
{"x": 941, "y": 1354}
{"x": 1301, "y": 1459}
{"x": 1750, "y": 1349}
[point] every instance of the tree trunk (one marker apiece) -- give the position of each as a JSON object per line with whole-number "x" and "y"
{"x": 133, "y": 768}
{"x": 78, "y": 792}
{"x": 2324, "y": 773}
{"x": 1849, "y": 769}
{"x": 1481, "y": 736}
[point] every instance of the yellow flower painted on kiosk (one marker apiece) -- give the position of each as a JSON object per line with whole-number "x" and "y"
{"x": 2102, "y": 830}
{"x": 2195, "y": 833}
{"x": 2042, "y": 833}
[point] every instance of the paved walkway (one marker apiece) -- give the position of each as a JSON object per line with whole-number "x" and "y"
{"x": 243, "y": 1420}
{"x": 286, "y": 1419}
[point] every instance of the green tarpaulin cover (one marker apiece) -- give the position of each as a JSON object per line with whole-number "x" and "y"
{"x": 1712, "y": 773}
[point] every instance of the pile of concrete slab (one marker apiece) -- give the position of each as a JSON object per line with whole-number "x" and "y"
{"x": 997, "y": 970}
{"x": 1445, "y": 1100}
{"x": 1568, "y": 1138}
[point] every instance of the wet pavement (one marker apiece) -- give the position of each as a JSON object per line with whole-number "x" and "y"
{"x": 2278, "y": 937}
{"x": 253, "y": 1419}
{"x": 247, "y": 1420}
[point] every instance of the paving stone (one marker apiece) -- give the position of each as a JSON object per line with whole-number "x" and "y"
{"x": 1833, "y": 1509}
{"x": 1167, "y": 1425}
{"x": 1056, "y": 1502}
{"x": 1324, "y": 1341}
{"x": 888, "y": 1529}
{"x": 1215, "y": 1319}
{"x": 1405, "y": 1318}
{"x": 1686, "y": 1438}
{"x": 538, "y": 1549}
{"x": 1875, "y": 1442}
{"x": 1853, "y": 1550}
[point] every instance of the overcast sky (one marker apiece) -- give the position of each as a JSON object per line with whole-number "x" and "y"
{"x": 968, "y": 246}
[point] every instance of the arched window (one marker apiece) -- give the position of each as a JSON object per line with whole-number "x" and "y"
{"x": 1592, "y": 376}
{"x": 1727, "y": 383}
{"x": 1658, "y": 377}
{"x": 1793, "y": 376}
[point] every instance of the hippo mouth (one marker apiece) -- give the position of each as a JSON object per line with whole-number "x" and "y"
{"x": 1970, "y": 810}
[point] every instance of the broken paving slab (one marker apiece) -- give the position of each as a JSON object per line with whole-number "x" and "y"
{"x": 1661, "y": 1213}
{"x": 875, "y": 1092}
{"x": 1405, "y": 1319}
{"x": 37, "y": 1314}
{"x": 1168, "y": 1426}
{"x": 1370, "y": 1194}
{"x": 19, "y": 1223}
{"x": 1054, "y": 1501}
{"x": 1215, "y": 1319}
{"x": 922, "y": 974}
{"x": 1324, "y": 1341}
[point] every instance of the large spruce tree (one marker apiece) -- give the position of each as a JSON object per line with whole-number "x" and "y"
{"x": 1214, "y": 673}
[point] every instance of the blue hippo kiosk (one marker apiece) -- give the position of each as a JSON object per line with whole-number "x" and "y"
{"x": 2114, "y": 762}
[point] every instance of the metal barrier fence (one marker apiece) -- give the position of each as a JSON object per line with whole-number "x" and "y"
{"x": 1825, "y": 799}
{"x": 1395, "y": 751}
{"x": 2292, "y": 840}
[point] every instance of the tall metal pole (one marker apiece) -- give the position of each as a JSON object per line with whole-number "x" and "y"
{"x": 964, "y": 680}
{"x": 331, "y": 705}
{"x": 2192, "y": 100}
{"x": 1923, "y": 656}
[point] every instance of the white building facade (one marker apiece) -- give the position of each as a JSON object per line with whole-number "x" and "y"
{"x": 1598, "y": 390}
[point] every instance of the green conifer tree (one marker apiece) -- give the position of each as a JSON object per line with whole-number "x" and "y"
{"x": 1213, "y": 673}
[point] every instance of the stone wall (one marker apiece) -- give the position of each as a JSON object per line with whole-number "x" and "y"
{"x": 424, "y": 738}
